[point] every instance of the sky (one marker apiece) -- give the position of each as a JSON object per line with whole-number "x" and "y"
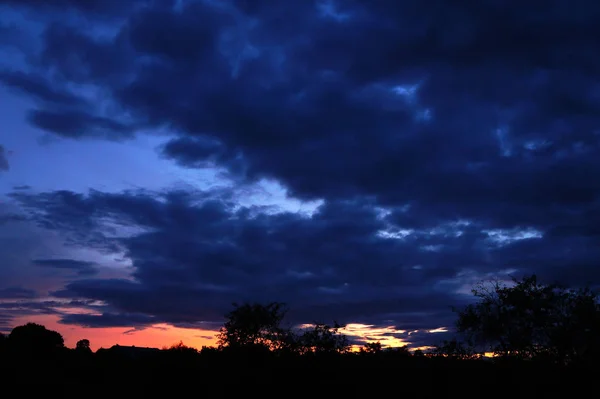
{"x": 363, "y": 162}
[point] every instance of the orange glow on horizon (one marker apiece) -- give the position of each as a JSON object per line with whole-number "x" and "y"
{"x": 157, "y": 336}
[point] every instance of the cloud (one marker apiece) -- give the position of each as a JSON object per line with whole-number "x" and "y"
{"x": 447, "y": 142}
{"x": 76, "y": 125}
{"x": 445, "y": 114}
{"x": 205, "y": 336}
{"x": 82, "y": 268}
{"x": 5, "y": 323}
{"x": 422, "y": 338}
{"x": 14, "y": 306}
{"x": 200, "y": 252}
{"x": 37, "y": 87}
{"x": 98, "y": 8}
{"x": 3, "y": 159}
{"x": 11, "y": 218}
{"x": 139, "y": 321}
{"x": 17, "y": 293}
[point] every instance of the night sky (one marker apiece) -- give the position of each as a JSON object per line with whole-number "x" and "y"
{"x": 362, "y": 161}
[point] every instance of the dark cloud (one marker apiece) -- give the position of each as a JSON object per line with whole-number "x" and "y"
{"x": 17, "y": 293}
{"x": 43, "y": 307}
{"x": 101, "y": 8}
{"x": 205, "y": 336}
{"x": 5, "y": 321}
{"x": 448, "y": 142}
{"x": 82, "y": 268}
{"x": 76, "y": 125}
{"x": 491, "y": 120}
{"x": 37, "y": 87}
{"x": 3, "y": 159}
{"x": 10, "y": 218}
{"x": 108, "y": 320}
{"x": 14, "y": 306}
{"x": 18, "y": 239}
{"x": 11, "y": 37}
{"x": 422, "y": 338}
{"x": 199, "y": 253}
{"x": 78, "y": 57}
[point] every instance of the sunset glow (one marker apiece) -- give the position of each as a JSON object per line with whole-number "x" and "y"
{"x": 157, "y": 336}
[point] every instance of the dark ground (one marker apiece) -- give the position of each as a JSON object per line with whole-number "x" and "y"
{"x": 347, "y": 375}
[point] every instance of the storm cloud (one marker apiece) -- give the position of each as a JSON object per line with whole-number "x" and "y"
{"x": 199, "y": 252}
{"x": 445, "y": 142}
{"x": 82, "y": 268}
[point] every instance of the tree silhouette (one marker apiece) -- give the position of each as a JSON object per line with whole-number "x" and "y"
{"x": 455, "y": 349}
{"x": 182, "y": 349}
{"x": 180, "y": 352}
{"x": 83, "y": 346}
{"x": 254, "y": 325}
{"x": 419, "y": 353}
{"x": 371, "y": 348}
{"x": 533, "y": 320}
{"x": 35, "y": 340}
{"x": 322, "y": 338}
{"x": 398, "y": 351}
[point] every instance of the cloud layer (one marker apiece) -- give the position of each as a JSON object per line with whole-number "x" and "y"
{"x": 447, "y": 142}
{"x": 3, "y": 159}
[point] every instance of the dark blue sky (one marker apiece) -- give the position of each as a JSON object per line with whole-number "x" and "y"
{"x": 364, "y": 161}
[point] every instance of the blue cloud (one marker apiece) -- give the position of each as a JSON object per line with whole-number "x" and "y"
{"x": 444, "y": 142}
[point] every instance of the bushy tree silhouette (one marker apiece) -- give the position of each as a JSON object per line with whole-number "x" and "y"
{"x": 181, "y": 347}
{"x": 259, "y": 327}
{"x": 533, "y": 320}
{"x": 371, "y": 348}
{"x": 35, "y": 340}
{"x": 180, "y": 353}
{"x": 419, "y": 353}
{"x": 321, "y": 338}
{"x": 83, "y": 346}
{"x": 398, "y": 351}
{"x": 456, "y": 349}
{"x": 254, "y": 325}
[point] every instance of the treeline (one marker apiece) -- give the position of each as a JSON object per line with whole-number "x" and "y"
{"x": 524, "y": 325}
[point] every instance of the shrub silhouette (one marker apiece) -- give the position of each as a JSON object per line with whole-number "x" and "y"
{"x": 372, "y": 348}
{"x": 34, "y": 340}
{"x": 83, "y": 346}
{"x": 254, "y": 326}
{"x": 258, "y": 329}
{"x": 323, "y": 339}
{"x": 531, "y": 320}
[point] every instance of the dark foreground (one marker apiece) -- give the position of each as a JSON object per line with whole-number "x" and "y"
{"x": 318, "y": 376}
